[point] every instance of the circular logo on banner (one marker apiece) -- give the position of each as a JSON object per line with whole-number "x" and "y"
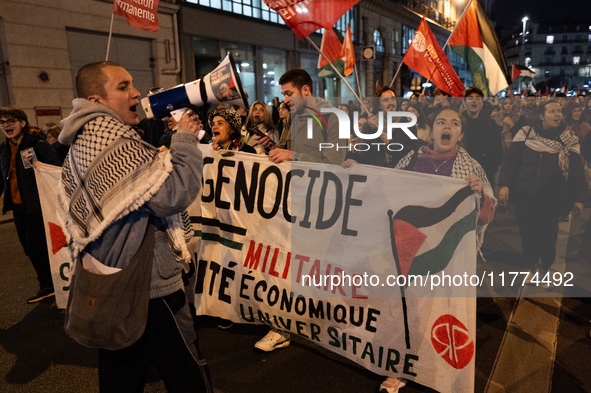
{"x": 419, "y": 42}
{"x": 452, "y": 342}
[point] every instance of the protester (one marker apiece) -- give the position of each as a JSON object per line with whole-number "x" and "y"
{"x": 574, "y": 120}
{"x": 171, "y": 128}
{"x": 482, "y": 136}
{"x": 421, "y": 129}
{"x": 297, "y": 88}
{"x": 152, "y": 186}
{"x": 53, "y": 133}
{"x": 259, "y": 117}
{"x": 152, "y": 128}
{"x": 275, "y": 110}
{"x": 510, "y": 120}
{"x": 445, "y": 157}
{"x": 542, "y": 163}
{"x": 530, "y": 109}
{"x": 17, "y": 155}
{"x": 587, "y": 112}
{"x": 378, "y": 155}
{"x": 225, "y": 125}
{"x": 284, "y": 119}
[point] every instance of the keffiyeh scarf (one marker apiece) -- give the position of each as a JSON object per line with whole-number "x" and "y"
{"x": 544, "y": 145}
{"x": 109, "y": 173}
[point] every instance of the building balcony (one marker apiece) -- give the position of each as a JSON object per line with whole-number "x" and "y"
{"x": 430, "y": 12}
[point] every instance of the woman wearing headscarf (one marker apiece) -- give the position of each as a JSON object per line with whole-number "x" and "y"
{"x": 225, "y": 126}
{"x": 510, "y": 119}
{"x": 541, "y": 168}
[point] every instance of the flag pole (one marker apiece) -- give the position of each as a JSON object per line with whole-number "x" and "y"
{"x": 357, "y": 77}
{"x": 448, "y": 38}
{"x": 110, "y": 33}
{"x": 337, "y": 71}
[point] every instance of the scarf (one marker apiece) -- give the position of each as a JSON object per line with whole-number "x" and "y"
{"x": 109, "y": 173}
{"x": 567, "y": 142}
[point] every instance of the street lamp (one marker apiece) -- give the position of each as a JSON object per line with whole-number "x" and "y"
{"x": 524, "y": 20}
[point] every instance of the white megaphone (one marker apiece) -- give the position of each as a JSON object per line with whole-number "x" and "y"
{"x": 221, "y": 85}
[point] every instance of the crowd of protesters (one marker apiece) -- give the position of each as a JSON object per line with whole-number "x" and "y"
{"x": 531, "y": 152}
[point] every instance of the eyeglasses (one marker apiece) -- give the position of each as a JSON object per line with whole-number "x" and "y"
{"x": 8, "y": 122}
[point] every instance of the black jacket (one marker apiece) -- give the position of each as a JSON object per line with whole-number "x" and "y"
{"x": 482, "y": 141}
{"x": 532, "y": 174}
{"x": 25, "y": 177}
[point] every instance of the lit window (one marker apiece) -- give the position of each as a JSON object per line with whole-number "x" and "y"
{"x": 378, "y": 42}
{"x": 527, "y": 61}
{"x": 550, "y": 39}
{"x": 576, "y": 60}
{"x": 516, "y": 42}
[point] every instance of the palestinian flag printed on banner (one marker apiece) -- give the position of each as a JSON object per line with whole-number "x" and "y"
{"x": 408, "y": 239}
{"x": 475, "y": 40}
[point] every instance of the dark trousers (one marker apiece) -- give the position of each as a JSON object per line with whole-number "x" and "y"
{"x": 31, "y": 233}
{"x": 538, "y": 224}
{"x": 170, "y": 343}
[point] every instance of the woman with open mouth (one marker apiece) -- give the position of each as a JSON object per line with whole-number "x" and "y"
{"x": 225, "y": 126}
{"x": 445, "y": 157}
{"x": 541, "y": 170}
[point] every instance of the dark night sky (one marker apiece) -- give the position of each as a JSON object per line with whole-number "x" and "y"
{"x": 508, "y": 13}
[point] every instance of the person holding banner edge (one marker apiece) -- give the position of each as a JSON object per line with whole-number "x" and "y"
{"x": 17, "y": 152}
{"x": 297, "y": 84}
{"x": 445, "y": 157}
{"x": 153, "y": 185}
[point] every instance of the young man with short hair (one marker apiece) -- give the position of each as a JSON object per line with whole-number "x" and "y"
{"x": 127, "y": 185}
{"x": 482, "y": 136}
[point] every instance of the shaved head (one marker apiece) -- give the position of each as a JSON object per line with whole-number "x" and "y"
{"x": 90, "y": 79}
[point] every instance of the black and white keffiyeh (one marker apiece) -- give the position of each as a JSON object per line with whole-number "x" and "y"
{"x": 109, "y": 173}
{"x": 463, "y": 166}
{"x": 570, "y": 142}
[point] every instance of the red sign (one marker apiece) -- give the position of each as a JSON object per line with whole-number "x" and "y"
{"x": 306, "y": 16}
{"x": 142, "y": 14}
{"x": 452, "y": 342}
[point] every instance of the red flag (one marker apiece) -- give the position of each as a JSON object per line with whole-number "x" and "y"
{"x": 331, "y": 47}
{"x": 142, "y": 14}
{"x": 426, "y": 57}
{"x": 348, "y": 52}
{"x": 306, "y": 16}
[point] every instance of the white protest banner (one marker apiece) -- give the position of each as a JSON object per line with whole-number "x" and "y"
{"x": 372, "y": 263}
{"x": 48, "y": 178}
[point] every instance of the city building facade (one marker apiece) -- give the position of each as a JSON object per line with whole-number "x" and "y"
{"x": 558, "y": 53}
{"x": 44, "y": 42}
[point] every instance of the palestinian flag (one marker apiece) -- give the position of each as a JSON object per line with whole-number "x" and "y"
{"x": 475, "y": 40}
{"x": 342, "y": 56}
{"x": 414, "y": 252}
{"x": 521, "y": 74}
{"x": 424, "y": 252}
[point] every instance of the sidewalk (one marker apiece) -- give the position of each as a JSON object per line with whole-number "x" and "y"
{"x": 4, "y": 218}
